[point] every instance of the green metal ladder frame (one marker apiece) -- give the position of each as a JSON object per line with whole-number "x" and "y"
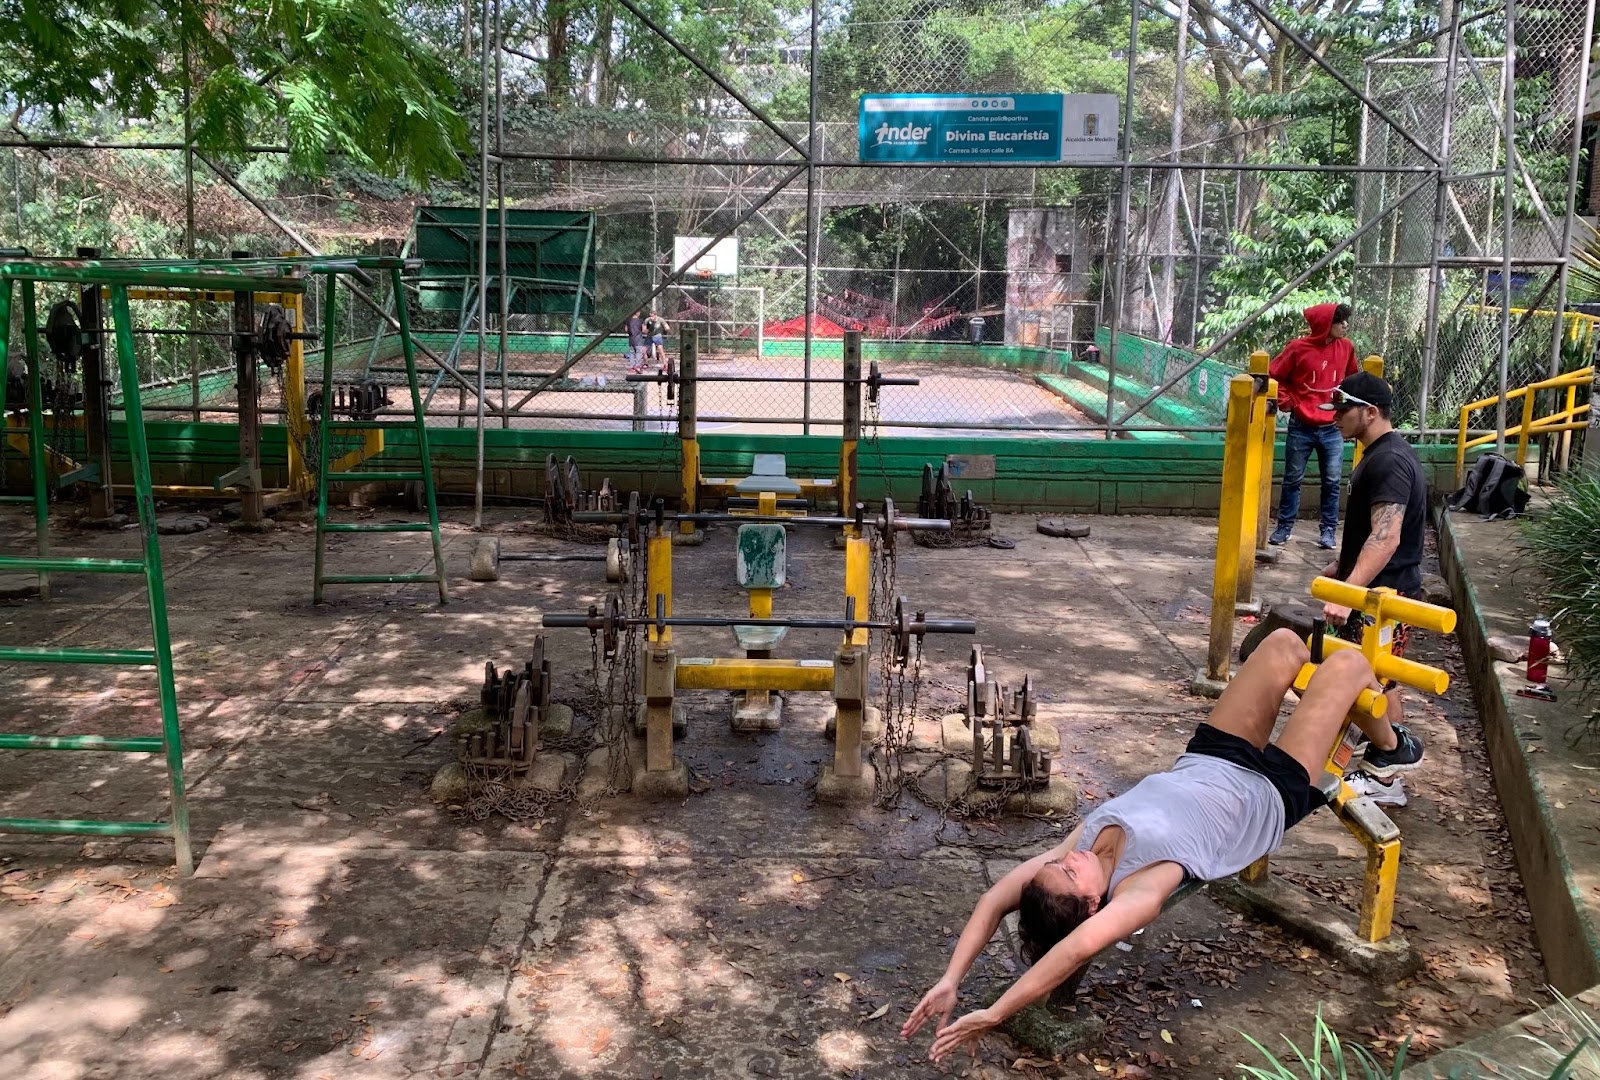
{"x": 159, "y": 656}
{"x": 424, "y": 474}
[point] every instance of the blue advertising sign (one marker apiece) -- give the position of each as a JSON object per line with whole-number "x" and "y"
{"x": 1003, "y": 129}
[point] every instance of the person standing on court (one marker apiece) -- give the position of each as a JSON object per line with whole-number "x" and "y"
{"x": 636, "y": 345}
{"x": 655, "y": 335}
{"x": 1307, "y": 370}
{"x": 1383, "y": 536}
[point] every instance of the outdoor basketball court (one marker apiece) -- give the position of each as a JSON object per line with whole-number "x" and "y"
{"x": 951, "y": 399}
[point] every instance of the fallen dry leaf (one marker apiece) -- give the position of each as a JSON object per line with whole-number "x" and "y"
{"x": 879, "y": 1012}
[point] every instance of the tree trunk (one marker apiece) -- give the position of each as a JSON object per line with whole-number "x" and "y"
{"x": 558, "y": 63}
{"x": 1169, "y": 260}
{"x": 604, "y": 96}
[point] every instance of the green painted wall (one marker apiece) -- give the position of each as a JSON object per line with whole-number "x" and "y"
{"x": 1086, "y": 475}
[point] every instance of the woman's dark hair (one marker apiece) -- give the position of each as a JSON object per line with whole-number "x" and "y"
{"x": 1045, "y": 917}
{"x": 1341, "y": 313}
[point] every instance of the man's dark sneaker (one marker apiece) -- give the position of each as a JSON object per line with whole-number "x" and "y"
{"x": 1280, "y": 535}
{"x": 1326, "y": 539}
{"x": 1406, "y": 755}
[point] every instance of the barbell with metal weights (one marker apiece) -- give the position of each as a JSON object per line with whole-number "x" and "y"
{"x": 669, "y": 376}
{"x": 903, "y": 625}
{"x": 887, "y": 523}
{"x": 487, "y": 557}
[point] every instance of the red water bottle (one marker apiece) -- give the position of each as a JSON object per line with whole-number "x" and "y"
{"x": 1539, "y": 651}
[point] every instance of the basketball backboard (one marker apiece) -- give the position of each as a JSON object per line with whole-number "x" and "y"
{"x": 721, "y": 261}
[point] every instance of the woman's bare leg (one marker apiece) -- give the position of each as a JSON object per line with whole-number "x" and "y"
{"x": 1308, "y": 736}
{"x": 1249, "y": 706}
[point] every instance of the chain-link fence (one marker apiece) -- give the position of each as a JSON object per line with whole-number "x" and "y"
{"x": 1024, "y": 299}
{"x": 1457, "y": 286}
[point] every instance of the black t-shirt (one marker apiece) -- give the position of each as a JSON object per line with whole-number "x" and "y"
{"x": 635, "y": 330}
{"x": 1389, "y": 472}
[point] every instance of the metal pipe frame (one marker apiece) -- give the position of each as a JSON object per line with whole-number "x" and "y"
{"x": 1574, "y": 159}
{"x": 1124, "y": 194}
{"x": 1289, "y": 287}
{"x": 843, "y": 163}
{"x": 1441, "y": 198}
{"x": 670, "y": 279}
{"x": 1508, "y": 212}
{"x": 810, "y": 158}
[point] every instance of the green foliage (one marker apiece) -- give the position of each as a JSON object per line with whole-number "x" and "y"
{"x": 1564, "y": 540}
{"x": 1568, "y": 1045}
{"x": 1302, "y": 217}
{"x": 1329, "y": 1059}
{"x": 330, "y": 76}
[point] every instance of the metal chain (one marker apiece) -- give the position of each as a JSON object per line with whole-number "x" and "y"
{"x": 310, "y": 446}
{"x": 899, "y": 714}
{"x": 610, "y": 716}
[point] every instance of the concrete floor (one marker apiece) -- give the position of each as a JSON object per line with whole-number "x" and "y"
{"x": 341, "y": 925}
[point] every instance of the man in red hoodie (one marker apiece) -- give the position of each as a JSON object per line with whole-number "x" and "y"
{"x": 1308, "y": 370}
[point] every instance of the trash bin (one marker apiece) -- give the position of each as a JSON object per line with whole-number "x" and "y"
{"x": 975, "y": 330}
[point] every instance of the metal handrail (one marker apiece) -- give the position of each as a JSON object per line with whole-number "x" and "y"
{"x": 1564, "y": 419}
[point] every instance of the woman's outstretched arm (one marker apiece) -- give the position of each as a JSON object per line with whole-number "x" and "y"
{"x": 1000, "y": 900}
{"x": 1137, "y": 902}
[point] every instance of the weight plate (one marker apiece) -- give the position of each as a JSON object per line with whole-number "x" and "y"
{"x": 572, "y": 483}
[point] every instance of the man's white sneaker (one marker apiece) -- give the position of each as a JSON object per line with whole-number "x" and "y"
{"x": 1390, "y": 793}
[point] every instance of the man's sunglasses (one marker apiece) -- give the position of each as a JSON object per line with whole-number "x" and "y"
{"x": 1343, "y": 399}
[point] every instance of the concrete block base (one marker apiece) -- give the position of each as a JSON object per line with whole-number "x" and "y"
{"x": 748, "y": 718}
{"x": 556, "y": 722}
{"x": 1054, "y": 1032}
{"x": 846, "y": 790}
{"x": 596, "y": 779}
{"x": 680, "y": 720}
{"x": 1318, "y": 923}
{"x": 871, "y": 723}
{"x": 1268, "y": 554}
{"x": 1202, "y": 685}
{"x": 957, "y": 736}
{"x": 692, "y": 539}
{"x": 452, "y": 784}
{"x": 449, "y": 784}
{"x": 1246, "y": 607}
{"x": 115, "y": 521}
{"x": 672, "y": 783}
{"x": 952, "y": 779}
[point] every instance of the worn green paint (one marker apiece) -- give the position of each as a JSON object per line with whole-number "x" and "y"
{"x": 1179, "y": 476}
{"x": 1146, "y": 364}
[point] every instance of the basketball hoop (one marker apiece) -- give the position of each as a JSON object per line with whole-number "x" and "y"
{"x": 704, "y": 273}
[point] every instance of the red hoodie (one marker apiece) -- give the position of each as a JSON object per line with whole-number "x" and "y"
{"x": 1310, "y": 368}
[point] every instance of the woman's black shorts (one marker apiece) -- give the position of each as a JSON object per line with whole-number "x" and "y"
{"x": 1285, "y": 773}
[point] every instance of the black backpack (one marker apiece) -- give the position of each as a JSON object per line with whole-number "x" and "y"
{"x": 1496, "y": 488}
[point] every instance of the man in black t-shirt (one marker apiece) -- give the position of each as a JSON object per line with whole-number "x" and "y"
{"x": 1384, "y": 524}
{"x": 636, "y": 342}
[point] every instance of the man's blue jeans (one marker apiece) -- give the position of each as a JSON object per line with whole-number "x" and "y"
{"x": 1329, "y": 445}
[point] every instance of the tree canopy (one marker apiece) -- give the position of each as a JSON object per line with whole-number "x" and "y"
{"x": 346, "y": 77}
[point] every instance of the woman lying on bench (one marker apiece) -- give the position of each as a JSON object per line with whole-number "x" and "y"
{"x": 1223, "y": 805}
